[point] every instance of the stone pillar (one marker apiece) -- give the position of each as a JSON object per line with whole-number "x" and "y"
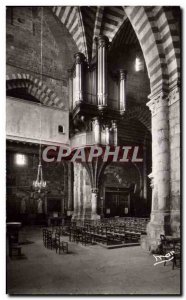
{"x": 102, "y": 71}
{"x": 94, "y": 197}
{"x": 107, "y": 134}
{"x": 79, "y": 60}
{"x": 160, "y": 214}
{"x": 122, "y": 89}
{"x": 115, "y": 133}
{"x": 75, "y": 213}
{"x": 145, "y": 172}
{"x": 97, "y": 131}
{"x": 70, "y": 189}
{"x": 174, "y": 136}
{"x": 70, "y": 89}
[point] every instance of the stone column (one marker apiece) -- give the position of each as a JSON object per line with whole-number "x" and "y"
{"x": 115, "y": 133}
{"x": 97, "y": 131}
{"x": 81, "y": 195}
{"x": 75, "y": 213}
{"x": 122, "y": 90}
{"x": 174, "y": 136}
{"x": 160, "y": 214}
{"x": 70, "y": 188}
{"x": 70, "y": 89}
{"x": 94, "y": 197}
{"x": 102, "y": 72}
{"x": 79, "y": 60}
{"x": 145, "y": 172}
{"x": 107, "y": 134}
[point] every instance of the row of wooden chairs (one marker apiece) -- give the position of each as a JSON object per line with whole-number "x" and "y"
{"x": 53, "y": 240}
{"x": 129, "y": 224}
{"x": 91, "y": 234}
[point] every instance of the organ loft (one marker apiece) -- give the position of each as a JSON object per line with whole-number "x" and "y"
{"x": 95, "y": 117}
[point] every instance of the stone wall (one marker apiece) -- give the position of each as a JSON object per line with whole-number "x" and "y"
{"x": 127, "y": 175}
{"x": 138, "y": 84}
{"x": 23, "y": 122}
{"x": 22, "y": 199}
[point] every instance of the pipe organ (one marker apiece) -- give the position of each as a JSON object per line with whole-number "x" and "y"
{"x": 93, "y": 85}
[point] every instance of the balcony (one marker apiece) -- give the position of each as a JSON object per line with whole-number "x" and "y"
{"x": 86, "y": 139}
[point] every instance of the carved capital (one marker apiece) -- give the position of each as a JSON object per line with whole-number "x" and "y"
{"x": 96, "y": 121}
{"x": 114, "y": 124}
{"x": 122, "y": 74}
{"x": 156, "y": 102}
{"x": 103, "y": 41}
{"x": 94, "y": 190}
{"x": 79, "y": 58}
{"x": 151, "y": 177}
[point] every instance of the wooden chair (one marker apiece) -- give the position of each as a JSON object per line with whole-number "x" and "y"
{"x": 45, "y": 237}
{"x": 60, "y": 245}
{"x": 177, "y": 254}
{"x": 50, "y": 241}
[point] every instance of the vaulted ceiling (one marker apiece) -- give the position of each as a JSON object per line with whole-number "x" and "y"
{"x": 85, "y": 23}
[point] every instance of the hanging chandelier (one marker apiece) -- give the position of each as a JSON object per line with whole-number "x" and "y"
{"x": 39, "y": 183}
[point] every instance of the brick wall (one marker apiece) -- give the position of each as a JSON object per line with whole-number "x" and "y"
{"x": 24, "y": 47}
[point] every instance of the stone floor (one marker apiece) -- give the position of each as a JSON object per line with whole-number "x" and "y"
{"x": 88, "y": 270}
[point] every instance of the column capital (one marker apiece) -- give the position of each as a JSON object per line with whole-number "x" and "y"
{"x": 96, "y": 121}
{"x": 114, "y": 124}
{"x": 151, "y": 177}
{"x": 94, "y": 190}
{"x": 103, "y": 41}
{"x": 79, "y": 58}
{"x": 156, "y": 102}
{"x": 122, "y": 74}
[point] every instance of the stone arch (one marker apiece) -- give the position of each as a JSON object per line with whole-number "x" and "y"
{"x": 159, "y": 40}
{"x": 35, "y": 88}
{"x": 71, "y": 17}
{"x": 141, "y": 114}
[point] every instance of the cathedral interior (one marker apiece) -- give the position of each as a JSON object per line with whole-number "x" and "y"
{"x": 83, "y": 76}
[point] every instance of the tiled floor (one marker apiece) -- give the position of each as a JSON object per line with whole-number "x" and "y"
{"x": 88, "y": 270}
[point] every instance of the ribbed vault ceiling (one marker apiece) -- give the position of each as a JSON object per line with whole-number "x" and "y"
{"x": 85, "y": 23}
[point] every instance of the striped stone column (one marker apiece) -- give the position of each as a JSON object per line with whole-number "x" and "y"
{"x": 160, "y": 213}
{"x": 102, "y": 71}
{"x": 79, "y": 60}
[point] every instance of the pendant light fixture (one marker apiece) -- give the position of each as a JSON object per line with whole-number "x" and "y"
{"x": 39, "y": 183}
